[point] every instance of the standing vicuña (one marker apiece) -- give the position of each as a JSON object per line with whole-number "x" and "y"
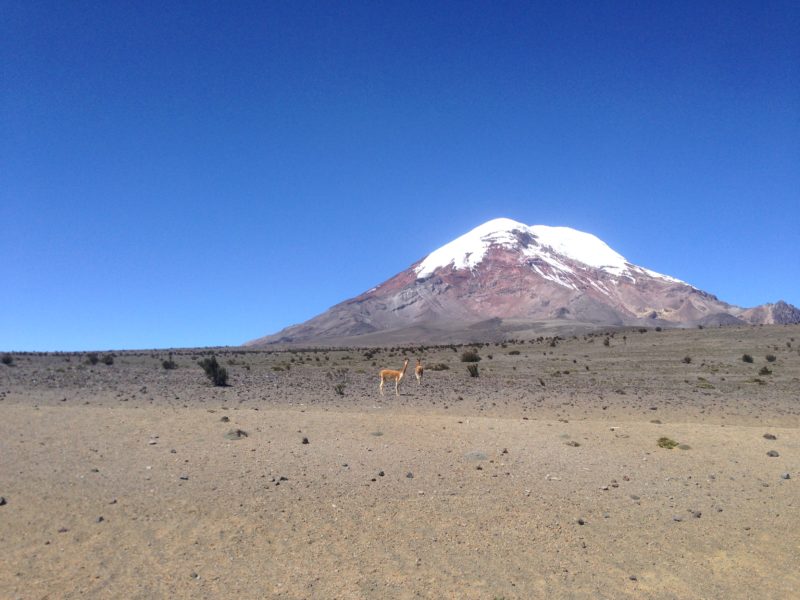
{"x": 418, "y": 371}
{"x": 391, "y": 374}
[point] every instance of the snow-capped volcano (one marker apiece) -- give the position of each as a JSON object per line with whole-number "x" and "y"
{"x": 505, "y": 278}
{"x": 534, "y": 241}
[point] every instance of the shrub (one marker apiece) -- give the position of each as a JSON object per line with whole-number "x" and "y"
{"x": 92, "y": 358}
{"x": 764, "y": 371}
{"x": 514, "y": 353}
{"x": 770, "y": 358}
{"x": 7, "y": 359}
{"x": 470, "y": 356}
{"x": 108, "y": 359}
{"x": 216, "y": 374}
{"x": 747, "y": 358}
{"x": 687, "y": 359}
{"x": 439, "y": 367}
{"x": 606, "y": 342}
{"x": 169, "y": 363}
{"x": 339, "y": 389}
{"x": 473, "y": 370}
{"x": 667, "y": 443}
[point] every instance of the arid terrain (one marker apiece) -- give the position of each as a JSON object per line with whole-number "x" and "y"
{"x": 543, "y": 477}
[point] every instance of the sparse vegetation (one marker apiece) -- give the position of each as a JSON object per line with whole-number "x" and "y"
{"x": 108, "y": 359}
{"x": 470, "y": 356}
{"x": 92, "y": 358}
{"x": 687, "y": 359}
{"x": 771, "y": 358}
{"x": 339, "y": 379}
{"x": 7, "y": 359}
{"x": 665, "y": 442}
{"x": 473, "y": 370}
{"x": 764, "y": 371}
{"x": 747, "y": 358}
{"x": 169, "y": 364}
{"x": 216, "y": 374}
{"x": 439, "y": 367}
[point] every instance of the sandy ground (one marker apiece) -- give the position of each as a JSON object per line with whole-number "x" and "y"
{"x": 541, "y": 478}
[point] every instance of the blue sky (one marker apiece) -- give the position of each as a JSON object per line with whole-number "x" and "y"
{"x": 204, "y": 173}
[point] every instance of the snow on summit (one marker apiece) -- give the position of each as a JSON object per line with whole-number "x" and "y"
{"x": 467, "y": 251}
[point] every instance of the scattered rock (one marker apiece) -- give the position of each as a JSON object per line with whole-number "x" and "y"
{"x": 381, "y": 473}
{"x": 100, "y": 519}
{"x": 581, "y": 522}
{"x": 476, "y": 455}
{"x": 677, "y": 518}
{"x": 236, "y": 434}
{"x": 184, "y": 477}
{"x": 410, "y": 475}
{"x": 633, "y": 578}
{"x": 696, "y": 514}
{"x": 783, "y": 476}
{"x": 769, "y": 436}
{"x": 773, "y": 453}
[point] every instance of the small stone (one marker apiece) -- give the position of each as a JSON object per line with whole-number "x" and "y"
{"x": 100, "y": 519}
{"x": 305, "y": 440}
{"x": 225, "y": 419}
{"x": 3, "y": 500}
{"x": 113, "y": 501}
{"x": 677, "y": 518}
{"x": 152, "y": 442}
{"x": 773, "y": 453}
{"x": 581, "y": 522}
{"x": 184, "y": 477}
{"x": 236, "y": 434}
{"x": 604, "y": 488}
{"x": 769, "y": 436}
{"x": 634, "y": 497}
{"x": 381, "y": 473}
{"x": 573, "y": 443}
{"x": 63, "y": 530}
{"x": 633, "y": 578}
{"x": 697, "y": 514}
{"x": 410, "y": 475}
{"x": 194, "y": 575}
{"x": 783, "y": 476}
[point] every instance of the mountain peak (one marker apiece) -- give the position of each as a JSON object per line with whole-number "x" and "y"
{"x": 504, "y": 278}
{"x": 532, "y": 241}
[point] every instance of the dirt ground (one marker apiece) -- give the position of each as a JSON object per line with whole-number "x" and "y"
{"x": 540, "y": 478}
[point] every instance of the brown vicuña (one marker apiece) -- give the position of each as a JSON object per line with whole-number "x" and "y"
{"x": 391, "y": 374}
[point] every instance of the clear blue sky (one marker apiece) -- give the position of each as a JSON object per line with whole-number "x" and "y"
{"x": 204, "y": 173}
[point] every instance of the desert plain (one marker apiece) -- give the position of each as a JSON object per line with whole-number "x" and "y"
{"x": 623, "y": 464}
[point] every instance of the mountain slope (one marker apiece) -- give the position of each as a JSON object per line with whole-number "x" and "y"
{"x": 504, "y": 277}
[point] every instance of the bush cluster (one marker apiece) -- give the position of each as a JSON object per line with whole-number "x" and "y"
{"x": 470, "y": 356}
{"x": 216, "y": 374}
